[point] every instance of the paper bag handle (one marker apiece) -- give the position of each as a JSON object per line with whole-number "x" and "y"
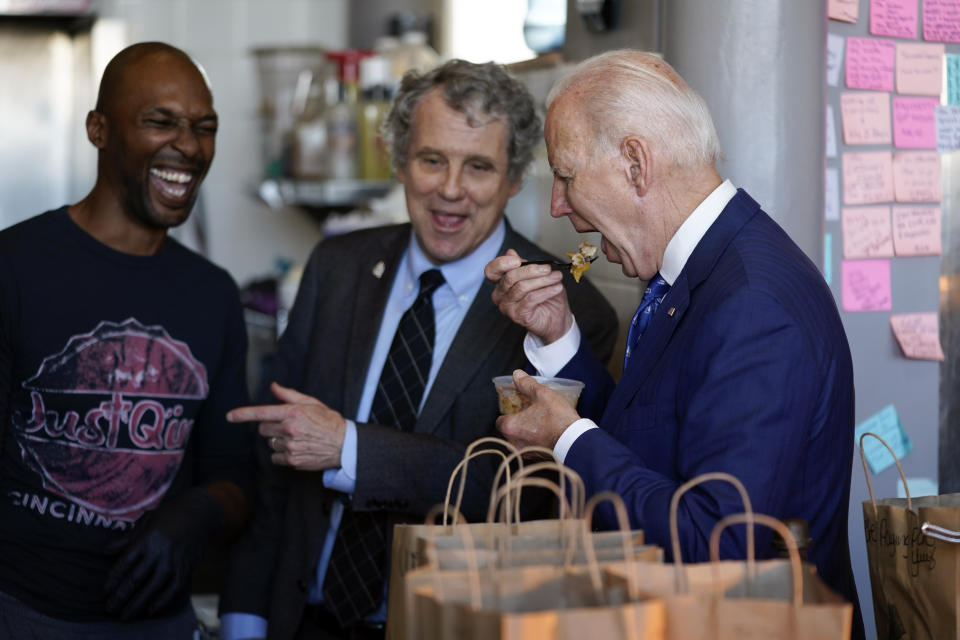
{"x": 516, "y": 454}
{"x": 588, "y": 544}
{"x": 470, "y": 553}
{"x": 566, "y": 474}
{"x": 461, "y": 467}
{"x": 750, "y": 519}
{"x": 681, "y": 576}
{"x": 940, "y": 533}
{"x": 866, "y": 473}
{"x": 437, "y": 509}
{"x": 577, "y": 490}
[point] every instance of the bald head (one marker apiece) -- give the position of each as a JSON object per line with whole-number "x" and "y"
{"x": 155, "y": 128}
{"x": 123, "y": 67}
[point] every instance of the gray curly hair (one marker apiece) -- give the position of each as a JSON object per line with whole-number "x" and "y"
{"x": 469, "y": 88}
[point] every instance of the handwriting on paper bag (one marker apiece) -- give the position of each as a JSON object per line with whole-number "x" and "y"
{"x": 916, "y": 549}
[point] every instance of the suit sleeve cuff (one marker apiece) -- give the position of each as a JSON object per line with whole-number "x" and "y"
{"x": 548, "y": 359}
{"x": 344, "y": 479}
{"x": 238, "y": 626}
{"x": 570, "y": 435}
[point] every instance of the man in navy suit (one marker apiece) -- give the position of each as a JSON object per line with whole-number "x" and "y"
{"x": 741, "y": 364}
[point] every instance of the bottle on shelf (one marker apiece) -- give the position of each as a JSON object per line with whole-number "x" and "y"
{"x": 341, "y": 118}
{"x": 374, "y": 105}
{"x": 308, "y": 156}
{"x": 388, "y": 47}
{"x": 417, "y": 54}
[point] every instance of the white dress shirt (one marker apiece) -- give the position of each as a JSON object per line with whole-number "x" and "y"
{"x": 550, "y": 359}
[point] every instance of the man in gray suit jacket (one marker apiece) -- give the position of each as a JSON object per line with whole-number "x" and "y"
{"x": 461, "y": 137}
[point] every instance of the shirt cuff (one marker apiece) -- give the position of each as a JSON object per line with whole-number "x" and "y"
{"x": 548, "y": 359}
{"x": 344, "y": 479}
{"x": 240, "y": 626}
{"x": 570, "y": 435}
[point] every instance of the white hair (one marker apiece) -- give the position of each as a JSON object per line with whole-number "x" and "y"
{"x": 627, "y": 92}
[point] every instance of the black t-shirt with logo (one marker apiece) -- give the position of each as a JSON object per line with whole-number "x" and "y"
{"x": 116, "y": 372}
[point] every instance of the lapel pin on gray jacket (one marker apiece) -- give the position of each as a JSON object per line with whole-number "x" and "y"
{"x": 378, "y": 269}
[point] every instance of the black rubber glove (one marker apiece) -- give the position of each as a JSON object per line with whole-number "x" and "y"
{"x": 158, "y": 561}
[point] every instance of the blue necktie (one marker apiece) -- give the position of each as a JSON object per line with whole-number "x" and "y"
{"x": 652, "y": 297}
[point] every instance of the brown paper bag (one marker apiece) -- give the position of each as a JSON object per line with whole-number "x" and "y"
{"x": 501, "y": 544}
{"x": 572, "y": 601}
{"x": 408, "y": 550}
{"x": 525, "y": 603}
{"x": 735, "y": 599}
{"x": 406, "y": 553}
{"x": 913, "y": 559}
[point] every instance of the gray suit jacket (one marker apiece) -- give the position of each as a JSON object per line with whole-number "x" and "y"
{"x": 325, "y": 353}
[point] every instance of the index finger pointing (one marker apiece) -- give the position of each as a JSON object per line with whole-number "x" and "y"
{"x": 261, "y": 413}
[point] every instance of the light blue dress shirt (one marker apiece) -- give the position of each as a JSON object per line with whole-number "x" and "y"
{"x": 451, "y": 301}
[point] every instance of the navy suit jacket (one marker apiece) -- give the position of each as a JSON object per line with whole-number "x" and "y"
{"x": 744, "y": 368}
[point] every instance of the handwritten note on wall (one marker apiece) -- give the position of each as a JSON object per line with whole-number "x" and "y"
{"x": 828, "y": 258}
{"x": 914, "y": 123}
{"x": 941, "y": 20}
{"x": 870, "y": 63}
{"x": 897, "y": 18}
{"x": 948, "y": 127}
{"x": 916, "y": 230}
{"x": 866, "y": 233}
{"x": 843, "y": 10}
{"x": 865, "y": 285}
{"x": 834, "y": 58}
{"x": 918, "y": 335}
{"x": 867, "y": 177}
{"x": 832, "y": 194}
{"x": 919, "y": 68}
{"x": 916, "y": 176}
{"x": 831, "y": 133}
{"x": 886, "y": 424}
{"x": 953, "y": 78}
{"x": 866, "y": 117}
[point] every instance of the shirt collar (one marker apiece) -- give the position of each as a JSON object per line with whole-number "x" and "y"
{"x": 464, "y": 275}
{"x": 685, "y": 240}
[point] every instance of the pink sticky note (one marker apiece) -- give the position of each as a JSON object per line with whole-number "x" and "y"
{"x": 870, "y": 63}
{"x": 916, "y": 230}
{"x": 919, "y": 68}
{"x": 941, "y": 20}
{"x": 915, "y": 123}
{"x": 916, "y": 176}
{"x": 866, "y": 117}
{"x": 867, "y": 177}
{"x": 866, "y": 285}
{"x": 843, "y": 10}
{"x": 918, "y": 335}
{"x": 866, "y": 233}
{"x": 897, "y": 18}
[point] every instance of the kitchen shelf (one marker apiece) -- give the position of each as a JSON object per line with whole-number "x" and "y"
{"x": 333, "y": 195}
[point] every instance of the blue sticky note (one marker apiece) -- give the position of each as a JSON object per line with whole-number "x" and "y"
{"x": 918, "y": 487}
{"x": 886, "y": 424}
{"x": 948, "y": 127}
{"x": 828, "y": 258}
{"x": 953, "y": 78}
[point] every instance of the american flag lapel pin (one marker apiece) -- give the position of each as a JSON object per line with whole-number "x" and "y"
{"x": 378, "y": 269}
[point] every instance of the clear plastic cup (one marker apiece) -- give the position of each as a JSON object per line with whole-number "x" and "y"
{"x": 512, "y": 401}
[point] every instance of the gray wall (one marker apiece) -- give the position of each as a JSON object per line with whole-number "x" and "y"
{"x": 759, "y": 64}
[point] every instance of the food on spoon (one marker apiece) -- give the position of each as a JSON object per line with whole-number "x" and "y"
{"x": 581, "y": 258}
